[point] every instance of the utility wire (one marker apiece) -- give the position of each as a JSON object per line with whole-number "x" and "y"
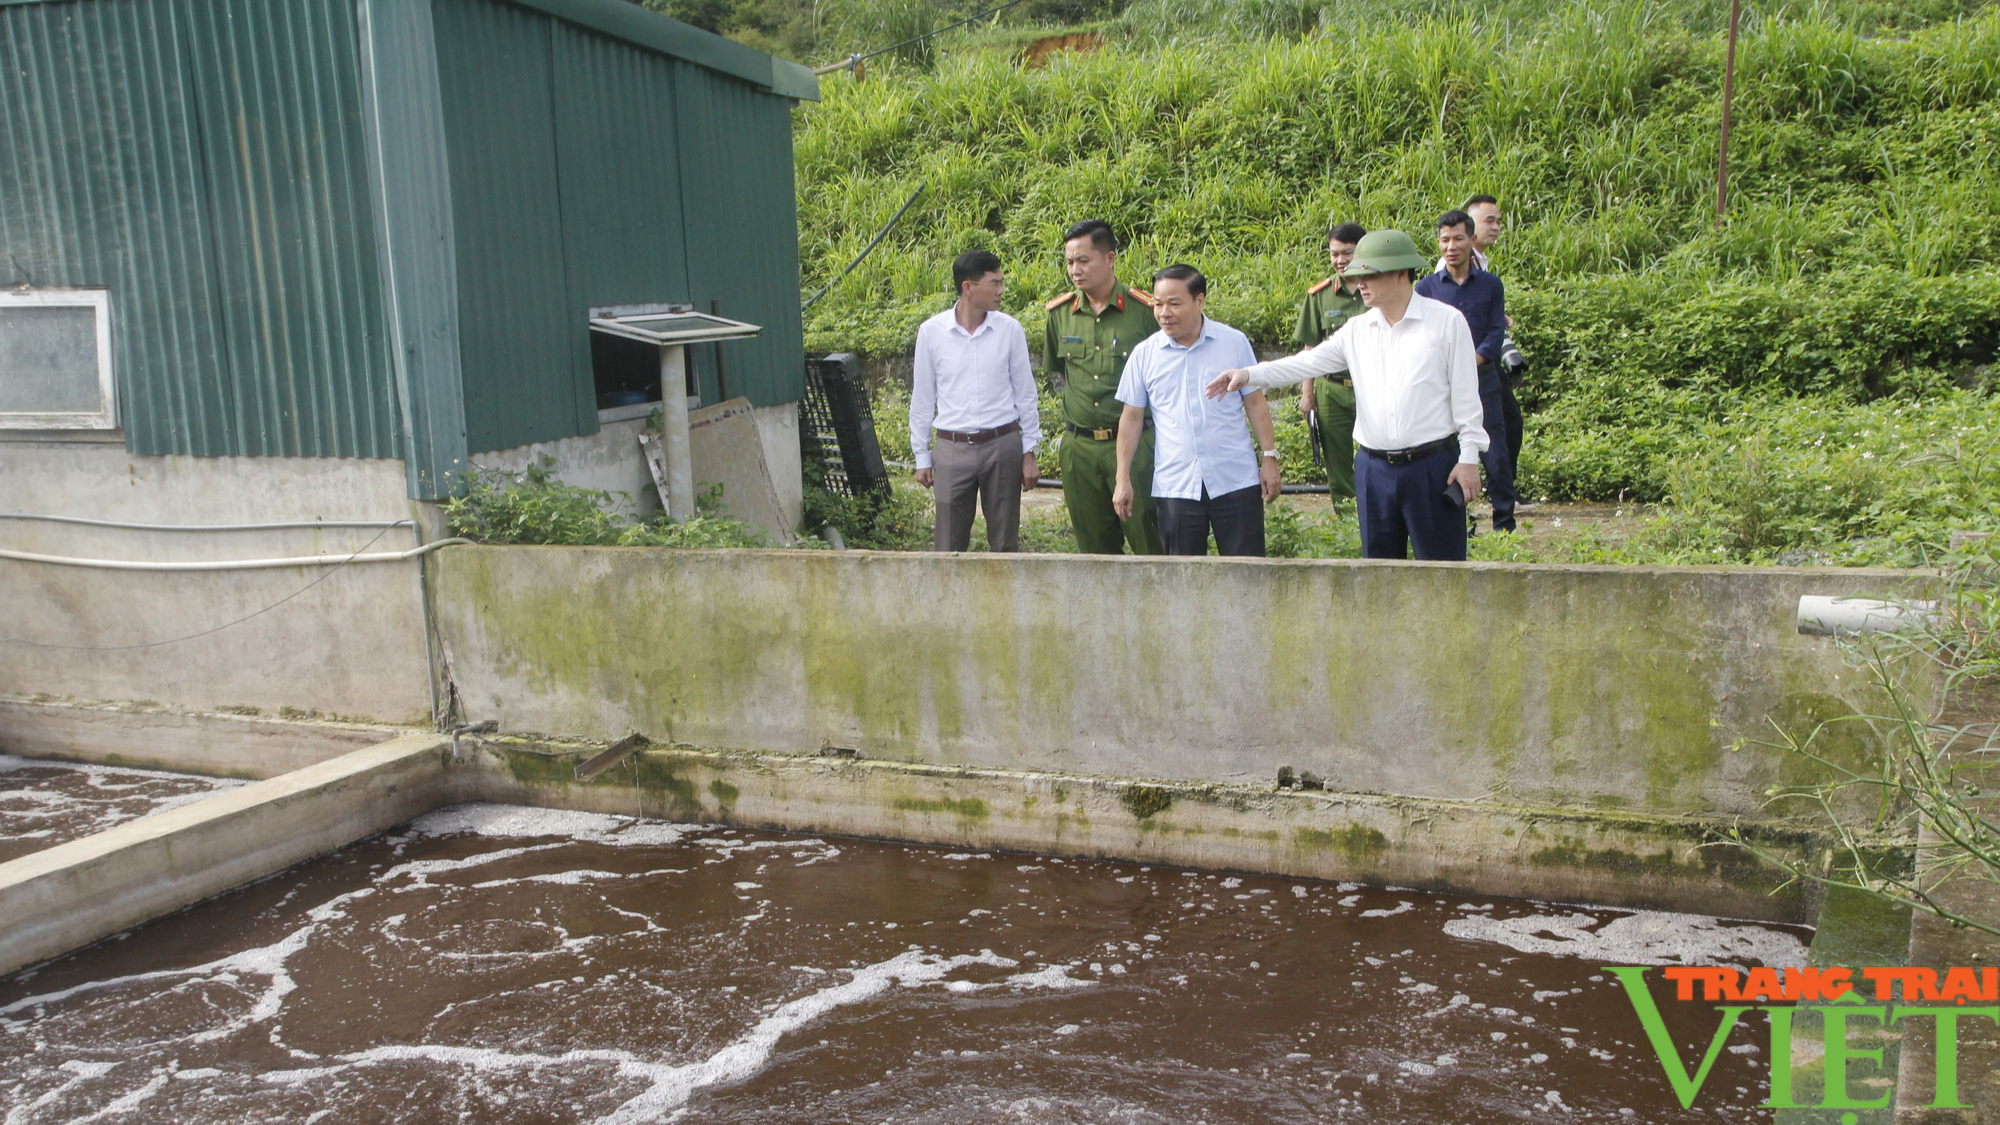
{"x": 205, "y": 632}
{"x": 879, "y": 236}
{"x": 854, "y": 60}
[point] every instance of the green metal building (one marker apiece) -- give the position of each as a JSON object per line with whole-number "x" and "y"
{"x": 373, "y": 228}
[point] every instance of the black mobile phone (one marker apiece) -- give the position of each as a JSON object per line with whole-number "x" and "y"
{"x": 1455, "y": 494}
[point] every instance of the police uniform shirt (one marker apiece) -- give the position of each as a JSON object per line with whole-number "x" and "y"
{"x": 1327, "y": 306}
{"x": 1089, "y": 349}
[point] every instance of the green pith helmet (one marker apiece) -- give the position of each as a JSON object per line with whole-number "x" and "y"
{"x": 1380, "y": 251}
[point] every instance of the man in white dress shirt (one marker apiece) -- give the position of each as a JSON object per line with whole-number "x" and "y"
{"x": 1206, "y": 474}
{"x": 973, "y": 385}
{"x": 1417, "y": 424}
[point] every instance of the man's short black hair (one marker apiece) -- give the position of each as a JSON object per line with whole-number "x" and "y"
{"x": 971, "y": 266}
{"x": 1455, "y": 219}
{"x": 1476, "y": 200}
{"x": 1098, "y": 231}
{"x": 1349, "y": 233}
{"x": 1187, "y": 275}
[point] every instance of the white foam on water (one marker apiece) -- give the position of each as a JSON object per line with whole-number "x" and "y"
{"x": 1645, "y": 937}
{"x": 1401, "y": 907}
{"x": 669, "y": 1086}
{"x": 505, "y": 821}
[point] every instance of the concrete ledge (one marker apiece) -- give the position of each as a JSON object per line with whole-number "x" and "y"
{"x": 76, "y": 893}
{"x": 219, "y": 744}
{"x": 1615, "y": 860}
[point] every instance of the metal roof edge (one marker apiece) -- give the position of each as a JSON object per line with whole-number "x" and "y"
{"x": 793, "y": 80}
{"x": 622, "y": 19}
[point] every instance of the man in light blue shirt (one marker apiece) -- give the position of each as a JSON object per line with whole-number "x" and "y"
{"x": 1206, "y": 473}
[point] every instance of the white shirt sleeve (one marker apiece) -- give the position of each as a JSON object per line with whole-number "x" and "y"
{"x": 1467, "y": 416}
{"x": 1325, "y": 358}
{"x": 1021, "y": 374}
{"x": 923, "y": 399}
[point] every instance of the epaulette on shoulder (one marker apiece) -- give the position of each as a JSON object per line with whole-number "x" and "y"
{"x": 1319, "y": 288}
{"x": 1145, "y": 298}
{"x": 1058, "y": 299}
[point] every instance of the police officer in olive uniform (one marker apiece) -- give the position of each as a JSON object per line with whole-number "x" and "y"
{"x": 1328, "y": 305}
{"x": 1090, "y": 333}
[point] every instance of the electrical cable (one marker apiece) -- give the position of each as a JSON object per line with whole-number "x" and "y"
{"x": 234, "y": 564}
{"x": 203, "y": 527}
{"x": 869, "y": 249}
{"x": 204, "y": 632}
{"x": 246, "y": 617}
{"x": 853, "y": 60}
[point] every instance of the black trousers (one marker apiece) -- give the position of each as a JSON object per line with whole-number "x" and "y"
{"x": 1510, "y": 408}
{"x": 1498, "y": 461}
{"x": 1237, "y": 518}
{"x": 1405, "y": 505}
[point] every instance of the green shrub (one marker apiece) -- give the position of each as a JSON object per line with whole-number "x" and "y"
{"x": 532, "y": 506}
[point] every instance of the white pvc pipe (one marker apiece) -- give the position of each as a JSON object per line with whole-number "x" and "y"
{"x": 231, "y": 564}
{"x": 203, "y": 527}
{"x": 1851, "y": 617}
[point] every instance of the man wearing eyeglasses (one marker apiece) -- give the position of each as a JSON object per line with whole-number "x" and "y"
{"x": 972, "y": 385}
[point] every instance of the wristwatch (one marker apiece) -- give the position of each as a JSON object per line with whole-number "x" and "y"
{"x": 1271, "y": 453}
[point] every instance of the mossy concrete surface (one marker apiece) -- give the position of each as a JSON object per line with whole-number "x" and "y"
{"x": 246, "y": 742}
{"x": 1622, "y": 860}
{"x": 1619, "y": 689}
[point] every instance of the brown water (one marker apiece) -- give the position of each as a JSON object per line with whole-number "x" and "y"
{"x": 43, "y": 803}
{"x": 490, "y": 964}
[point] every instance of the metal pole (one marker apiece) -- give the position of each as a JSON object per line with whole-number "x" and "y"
{"x": 1728, "y": 95}
{"x": 675, "y": 448}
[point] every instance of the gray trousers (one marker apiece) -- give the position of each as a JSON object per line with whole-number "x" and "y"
{"x": 989, "y": 473}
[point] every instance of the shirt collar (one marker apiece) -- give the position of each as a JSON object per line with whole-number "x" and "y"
{"x": 951, "y": 318}
{"x": 1207, "y": 333}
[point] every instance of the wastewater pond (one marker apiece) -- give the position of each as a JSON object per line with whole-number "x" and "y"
{"x": 498, "y": 964}
{"x": 45, "y": 803}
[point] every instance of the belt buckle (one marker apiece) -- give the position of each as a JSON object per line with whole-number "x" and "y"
{"x": 1101, "y": 435}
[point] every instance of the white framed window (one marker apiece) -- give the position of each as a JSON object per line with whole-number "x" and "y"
{"x": 55, "y": 360}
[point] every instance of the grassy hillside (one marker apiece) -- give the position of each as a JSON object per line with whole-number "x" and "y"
{"x": 1851, "y": 299}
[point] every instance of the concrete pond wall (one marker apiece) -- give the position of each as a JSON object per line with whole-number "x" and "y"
{"x": 1614, "y": 689}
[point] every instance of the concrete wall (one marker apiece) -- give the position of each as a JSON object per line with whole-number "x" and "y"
{"x": 1608, "y": 688}
{"x": 610, "y": 460}
{"x": 352, "y": 645}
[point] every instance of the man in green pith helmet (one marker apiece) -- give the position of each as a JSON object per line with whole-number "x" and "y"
{"x": 1328, "y": 305}
{"x": 1090, "y": 333}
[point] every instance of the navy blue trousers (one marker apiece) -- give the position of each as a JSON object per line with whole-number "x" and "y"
{"x": 1237, "y": 518}
{"x": 1499, "y": 457}
{"x": 1405, "y": 505}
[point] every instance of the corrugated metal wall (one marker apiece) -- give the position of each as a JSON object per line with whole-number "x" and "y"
{"x": 605, "y": 173}
{"x": 741, "y": 217}
{"x": 204, "y": 160}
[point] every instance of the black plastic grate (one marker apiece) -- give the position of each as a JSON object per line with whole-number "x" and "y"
{"x": 836, "y": 429}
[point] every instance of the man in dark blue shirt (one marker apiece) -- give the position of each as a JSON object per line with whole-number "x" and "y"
{"x": 1481, "y": 298}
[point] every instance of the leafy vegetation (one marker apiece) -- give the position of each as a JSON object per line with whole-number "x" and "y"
{"x": 532, "y": 506}
{"x": 1912, "y": 817}
{"x": 1734, "y": 372}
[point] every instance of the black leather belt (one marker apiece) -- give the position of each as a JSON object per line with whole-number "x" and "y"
{"x": 1099, "y": 435}
{"x": 979, "y": 437}
{"x": 1413, "y": 453}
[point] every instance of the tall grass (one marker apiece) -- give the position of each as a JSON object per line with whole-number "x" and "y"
{"x": 1860, "y": 260}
